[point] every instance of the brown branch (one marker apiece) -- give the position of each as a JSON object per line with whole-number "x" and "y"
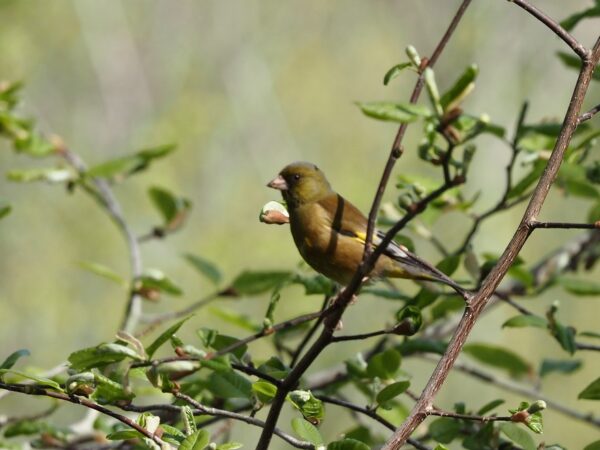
{"x": 565, "y": 225}
{"x": 360, "y": 337}
{"x": 38, "y": 390}
{"x": 453, "y": 415}
{"x": 581, "y": 51}
{"x": 588, "y": 115}
{"x": 481, "y": 299}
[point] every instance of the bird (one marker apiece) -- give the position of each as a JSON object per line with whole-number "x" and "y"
{"x": 330, "y": 232}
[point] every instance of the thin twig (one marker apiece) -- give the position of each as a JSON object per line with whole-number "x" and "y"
{"x": 565, "y": 225}
{"x": 453, "y": 415}
{"x": 577, "y": 47}
{"x": 588, "y": 115}
{"x": 39, "y": 390}
{"x": 360, "y": 337}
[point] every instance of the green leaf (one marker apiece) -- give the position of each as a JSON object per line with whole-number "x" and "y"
{"x": 454, "y": 96}
{"x": 440, "y": 447}
{"x": 384, "y": 365}
{"x": 315, "y": 284}
{"x": 409, "y": 321}
{"x": 189, "y": 422}
{"x": 594, "y": 213}
{"x": 411, "y": 346}
{"x": 489, "y": 407}
{"x": 108, "y": 391}
{"x": 205, "y": 267}
{"x": 155, "y": 280}
{"x": 103, "y": 271}
{"x": 307, "y": 431}
{"x": 50, "y": 175}
{"x": 229, "y": 385}
{"x": 221, "y": 341}
{"x": 561, "y": 366}
{"x": 264, "y": 391}
{"x": 394, "y": 72}
{"x": 196, "y": 441}
{"x": 518, "y": 435}
{"x": 164, "y": 337}
{"x": 393, "y": 112}
{"x": 528, "y": 180}
{"x": 498, "y": 357}
{"x": 173, "y": 209}
{"x": 449, "y": 264}
{"x": 100, "y": 356}
{"x": 311, "y": 407}
{"x": 4, "y": 210}
{"x": 592, "y": 391}
{"x": 570, "y": 22}
{"x": 347, "y": 444}
{"x": 432, "y": 90}
{"x": 524, "y": 320}
{"x": 13, "y": 358}
{"x": 258, "y": 282}
{"x": 235, "y": 318}
{"x": 171, "y": 434}
{"x": 580, "y": 287}
{"x": 391, "y": 391}
{"x": 593, "y": 446}
{"x": 445, "y": 429}
{"x": 123, "y": 435}
{"x": 274, "y": 367}
{"x": 45, "y": 382}
{"x": 130, "y": 164}
{"x": 229, "y": 446}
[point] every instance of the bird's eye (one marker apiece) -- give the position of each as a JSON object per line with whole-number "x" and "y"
{"x": 296, "y": 176}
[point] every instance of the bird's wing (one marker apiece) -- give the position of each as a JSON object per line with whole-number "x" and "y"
{"x": 347, "y": 220}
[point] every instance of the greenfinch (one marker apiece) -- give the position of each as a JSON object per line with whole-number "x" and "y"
{"x": 330, "y": 232}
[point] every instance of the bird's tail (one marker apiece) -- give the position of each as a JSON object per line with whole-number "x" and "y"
{"x": 414, "y": 267}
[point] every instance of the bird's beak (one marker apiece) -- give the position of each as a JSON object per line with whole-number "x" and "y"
{"x": 278, "y": 183}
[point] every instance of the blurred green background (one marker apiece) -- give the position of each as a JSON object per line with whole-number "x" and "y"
{"x": 243, "y": 88}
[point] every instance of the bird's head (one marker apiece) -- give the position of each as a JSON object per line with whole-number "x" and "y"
{"x": 301, "y": 183}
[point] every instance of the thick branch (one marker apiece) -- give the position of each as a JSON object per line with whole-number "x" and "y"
{"x": 482, "y": 297}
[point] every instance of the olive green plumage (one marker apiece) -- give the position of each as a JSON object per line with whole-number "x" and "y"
{"x": 330, "y": 232}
